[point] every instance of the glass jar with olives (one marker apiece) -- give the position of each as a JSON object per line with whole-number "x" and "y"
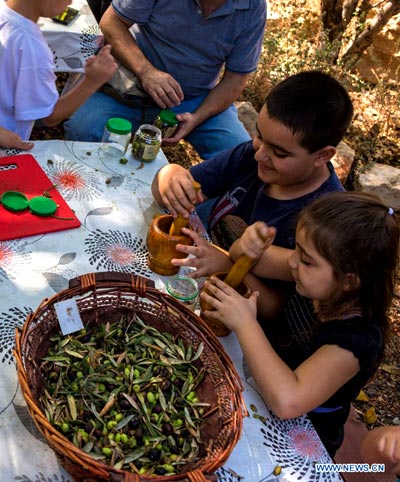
{"x": 146, "y": 143}
{"x": 167, "y": 122}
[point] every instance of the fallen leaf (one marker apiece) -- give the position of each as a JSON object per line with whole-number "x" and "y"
{"x": 370, "y": 416}
{"x": 362, "y": 397}
{"x": 392, "y": 369}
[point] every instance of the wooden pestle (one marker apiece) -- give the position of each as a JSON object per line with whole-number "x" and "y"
{"x": 180, "y": 222}
{"x": 239, "y": 270}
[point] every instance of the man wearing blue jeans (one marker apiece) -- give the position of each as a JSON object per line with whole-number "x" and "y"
{"x": 177, "y": 50}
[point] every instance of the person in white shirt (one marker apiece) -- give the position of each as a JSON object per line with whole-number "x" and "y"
{"x": 28, "y": 90}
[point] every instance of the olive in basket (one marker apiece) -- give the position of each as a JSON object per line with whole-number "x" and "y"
{"x": 145, "y": 390}
{"x": 130, "y": 400}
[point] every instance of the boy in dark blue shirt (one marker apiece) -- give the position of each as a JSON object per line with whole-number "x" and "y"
{"x": 270, "y": 179}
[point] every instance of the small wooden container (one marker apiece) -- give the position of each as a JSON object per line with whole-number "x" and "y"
{"x": 162, "y": 246}
{"x": 218, "y": 328}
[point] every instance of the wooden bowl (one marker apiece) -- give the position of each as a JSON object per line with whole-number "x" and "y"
{"x": 218, "y": 328}
{"x": 162, "y": 246}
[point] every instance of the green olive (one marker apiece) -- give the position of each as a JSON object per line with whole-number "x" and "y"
{"x": 107, "y": 451}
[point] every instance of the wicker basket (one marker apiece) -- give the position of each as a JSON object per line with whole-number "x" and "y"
{"x": 110, "y": 295}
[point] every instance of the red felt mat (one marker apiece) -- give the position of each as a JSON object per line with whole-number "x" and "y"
{"x": 23, "y": 173}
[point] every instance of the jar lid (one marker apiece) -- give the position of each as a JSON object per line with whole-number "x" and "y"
{"x": 182, "y": 288}
{"x": 42, "y": 206}
{"x": 119, "y": 125}
{"x": 14, "y": 201}
{"x": 39, "y": 205}
{"x": 168, "y": 116}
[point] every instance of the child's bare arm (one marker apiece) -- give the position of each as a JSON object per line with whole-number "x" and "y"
{"x": 11, "y": 140}
{"x": 288, "y": 393}
{"x": 173, "y": 187}
{"x": 256, "y": 242}
{"x": 382, "y": 445}
{"x": 98, "y": 70}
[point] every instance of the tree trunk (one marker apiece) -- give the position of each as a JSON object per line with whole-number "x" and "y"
{"x": 331, "y": 11}
{"x": 346, "y": 19}
{"x": 365, "y": 38}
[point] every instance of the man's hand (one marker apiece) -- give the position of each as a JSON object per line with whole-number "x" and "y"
{"x": 187, "y": 122}
{"x": 205, "y": 257}
{"x": 173, "y": 188}
{"x": 162, "y": 87}
{"x": 11, "y": 140}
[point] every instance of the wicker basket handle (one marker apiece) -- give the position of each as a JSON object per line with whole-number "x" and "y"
{"x": 89, "y": 281}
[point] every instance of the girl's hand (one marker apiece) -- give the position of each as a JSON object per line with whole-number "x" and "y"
{"x": 255, "y": 240}
{"x": 232, "y": 309}
{"x": 205, "y": 257}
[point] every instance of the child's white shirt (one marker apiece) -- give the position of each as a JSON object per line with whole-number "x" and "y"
{"x": 27, "y": 88}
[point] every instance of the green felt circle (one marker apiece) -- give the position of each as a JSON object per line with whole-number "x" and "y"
{"x": 14, "y": 201}
{"x": 42, "y": 206}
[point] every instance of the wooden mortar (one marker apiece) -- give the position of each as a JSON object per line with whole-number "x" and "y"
{"x": 217, "y": 326}
{"x": 162, "y": 246}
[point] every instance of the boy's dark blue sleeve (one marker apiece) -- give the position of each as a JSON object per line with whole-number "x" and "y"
{"x": 217, "y": 175}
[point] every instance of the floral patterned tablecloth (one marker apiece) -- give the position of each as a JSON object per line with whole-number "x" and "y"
{"x": 115, "y": 206}
{"x": 73, "y": 44}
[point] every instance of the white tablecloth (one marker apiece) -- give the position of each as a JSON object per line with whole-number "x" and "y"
{"x": 114, "y": 204}
{"x": 73, "y": 44}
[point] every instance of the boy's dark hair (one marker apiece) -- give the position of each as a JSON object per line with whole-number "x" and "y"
{"x": 356, "y": 233}
{"x": 314, "y": 105}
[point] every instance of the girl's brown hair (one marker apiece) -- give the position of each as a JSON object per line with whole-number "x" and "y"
{"x": 357, "y": 234}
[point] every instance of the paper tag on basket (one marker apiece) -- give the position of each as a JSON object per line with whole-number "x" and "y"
{"x": 68, "y": 316}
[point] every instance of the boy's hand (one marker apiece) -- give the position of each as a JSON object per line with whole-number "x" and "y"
{"x": 256, "y": 239}
{"x": 173, "y": 188}
{"x": 231, "y": 308}
{"x": 101, "y": 67}
{"x": 11, "y": 140}
{"x": 207, "y": 258}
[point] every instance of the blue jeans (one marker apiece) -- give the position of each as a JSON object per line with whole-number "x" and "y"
{"x": 220, "y": 132}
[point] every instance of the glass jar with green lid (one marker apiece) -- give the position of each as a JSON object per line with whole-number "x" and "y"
{"x": 146, "y": 143}
{"x": 167, "y": 122}
{"x": 116, "y": 137}
{"x": 183, "y": 289}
